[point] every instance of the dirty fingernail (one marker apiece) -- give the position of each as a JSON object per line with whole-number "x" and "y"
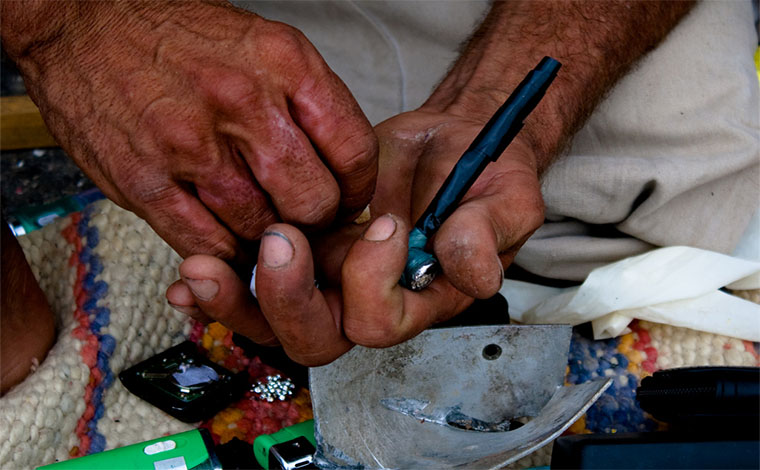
{"x": 276, "y": 250}
{"x": 381, "y": 229}
{"x": 204, "y": 289}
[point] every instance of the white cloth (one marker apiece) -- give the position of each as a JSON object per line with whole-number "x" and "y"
{"x": 675, "y": 285}
{"x": 671, "y": 157}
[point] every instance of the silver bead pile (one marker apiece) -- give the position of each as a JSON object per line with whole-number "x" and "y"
{"x": 275, "y": 388}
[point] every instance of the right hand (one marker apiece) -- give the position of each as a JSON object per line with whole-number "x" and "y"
{"x": 208, "y": 121}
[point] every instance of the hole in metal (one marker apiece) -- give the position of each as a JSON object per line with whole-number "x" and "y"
{"x": 491, "y": 352}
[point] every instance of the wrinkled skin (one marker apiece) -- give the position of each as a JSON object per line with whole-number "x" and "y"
{"x": 363, "y": 302}
{"x": 209, "y": 122}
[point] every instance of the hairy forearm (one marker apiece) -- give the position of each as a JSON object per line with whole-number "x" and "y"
{"x": 30, "y": 23}
{"x": 596, "y": 41}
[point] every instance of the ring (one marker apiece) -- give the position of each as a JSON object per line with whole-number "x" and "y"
{"x": 252, "y": 285}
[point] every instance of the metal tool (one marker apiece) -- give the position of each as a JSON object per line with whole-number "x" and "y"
{"x": 440, "y": 399}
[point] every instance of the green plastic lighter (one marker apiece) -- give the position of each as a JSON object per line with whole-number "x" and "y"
{"x": 191, "y": 450}
{"x": 290, "y": 448}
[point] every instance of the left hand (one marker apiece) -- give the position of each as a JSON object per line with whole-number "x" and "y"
{"x": 362, "y": 302}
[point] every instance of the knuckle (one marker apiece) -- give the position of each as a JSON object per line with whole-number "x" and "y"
{"x": 281, "y": 43}
{"x": 313, "y": 205}
{"x": 156, "y": 195}
{"x": 256, "y": 219}
{"x": 357, "y": 154}
{"x": 292, "y": 54}
{"x": 230, "y": 89}
{"x": 358, "y": 172}
{"x": 185, "y": 140}
{"x": 379, "y": 333}
{"x": 144, "y": 186}
{"x": 289, "y": 41}
{"x": 225, "y": 316}
{"x": 312, "y": 357}
{"x": 537, "y": 214}
{"x": 184, "y": 135}
{"x": 245, "y": 208}
{"x": 166, "y": 204}
{"x": 532, "y": 210}
{"x": 218, "y": 244}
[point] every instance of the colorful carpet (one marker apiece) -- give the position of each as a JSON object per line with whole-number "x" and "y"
{"x": 104, "y": 272}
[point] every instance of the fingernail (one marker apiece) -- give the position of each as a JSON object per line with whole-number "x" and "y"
{"x": 204, "y": 289}
{"x": 276, "y": 250}
{"x": 188, "y": 310}
{"x": 381, "y": 229}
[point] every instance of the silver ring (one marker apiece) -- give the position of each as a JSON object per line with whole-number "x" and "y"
{"x": 252, "y": 286}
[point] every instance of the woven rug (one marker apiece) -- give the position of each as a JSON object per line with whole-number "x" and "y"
{"x": 104, "y": 272}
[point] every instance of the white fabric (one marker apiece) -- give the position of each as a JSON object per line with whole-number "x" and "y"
{"x": 675, "y": 285}
{"x": 671, "y": 157}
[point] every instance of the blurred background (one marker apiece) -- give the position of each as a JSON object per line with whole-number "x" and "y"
{"x": 38, "y": 182}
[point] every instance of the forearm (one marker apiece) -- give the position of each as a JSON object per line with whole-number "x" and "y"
{"x": 596, "y": 41}
{"x": 34, "y": 32}
{"x": 31, "y": 23}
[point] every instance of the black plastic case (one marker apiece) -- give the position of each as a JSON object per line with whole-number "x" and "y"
{"x": 154, "y": 380}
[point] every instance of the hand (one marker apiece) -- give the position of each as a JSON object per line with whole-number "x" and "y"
{"x": 361, "y": 301}
{"x": 208, "y": 121}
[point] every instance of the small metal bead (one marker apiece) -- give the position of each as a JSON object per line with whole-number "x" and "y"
{"x": 275, "y": 388}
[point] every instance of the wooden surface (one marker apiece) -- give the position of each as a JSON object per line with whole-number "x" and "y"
{"x": 21, "y": 125}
